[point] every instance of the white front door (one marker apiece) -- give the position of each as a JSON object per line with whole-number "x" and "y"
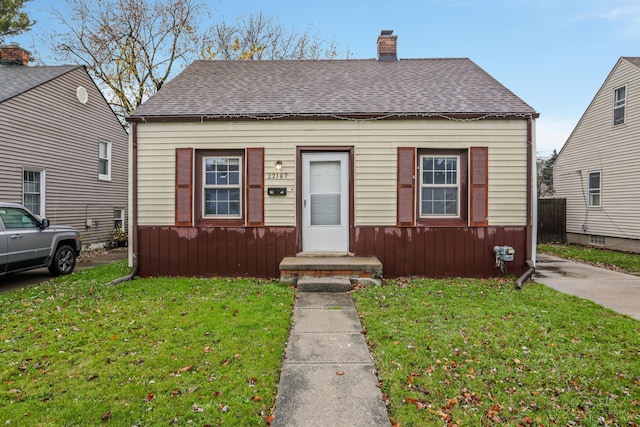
{"x": 325, "y": 202}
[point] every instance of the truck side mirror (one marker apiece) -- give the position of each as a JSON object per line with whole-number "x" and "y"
{"x": 44, "y": 224}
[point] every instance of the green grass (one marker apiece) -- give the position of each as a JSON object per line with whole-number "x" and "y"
{"x": 622, "y": 261}
{"x": 474, "y": 352}
{"x": 146, "y": 352}
{"x": 180, "y": 351}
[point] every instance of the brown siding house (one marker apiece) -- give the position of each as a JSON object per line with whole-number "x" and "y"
{"x": 64, "y": 152}
{"x": 425, "y": 164}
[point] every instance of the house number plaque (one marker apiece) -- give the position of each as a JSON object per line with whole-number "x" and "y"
{"x": 277, "y": 175}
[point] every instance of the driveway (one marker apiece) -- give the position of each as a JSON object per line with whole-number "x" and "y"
{"x": 86, "y": 260}
{"x": 618, "y": 291}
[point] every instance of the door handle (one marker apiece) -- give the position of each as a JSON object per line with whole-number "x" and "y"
{"x": 16, "y": 236}
{"x": 304, "y": 203}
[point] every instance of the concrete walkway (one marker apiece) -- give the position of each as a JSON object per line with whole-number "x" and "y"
{"x": 617, "y": 291}
{"x": 328, "y": 377}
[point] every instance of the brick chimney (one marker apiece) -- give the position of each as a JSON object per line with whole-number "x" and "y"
{"x": 14, "y": 55}
{"x": 387, "y": 46}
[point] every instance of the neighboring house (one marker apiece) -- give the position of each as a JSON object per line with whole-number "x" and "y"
{"x": 64, "y": 151}
{"x": 597, "y": 169}
{"x": 425, "y": 164}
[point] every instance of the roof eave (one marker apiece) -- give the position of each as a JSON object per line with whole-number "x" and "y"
{"x": 333, "y": 116}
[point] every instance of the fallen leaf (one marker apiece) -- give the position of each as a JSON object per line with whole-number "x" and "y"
{"x": 256, "y": 398}
{"x": 106, "y": 416}
{"x": 208, "y": 349}
{"x": 339, "y": 372}
{"x": 150, "y": 397}
{"x": 196, "y": 408}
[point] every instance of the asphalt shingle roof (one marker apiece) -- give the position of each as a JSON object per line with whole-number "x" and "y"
{"x": 365, "y": 87}
{"x": 635, "y": 60}
{"x": 15, "y": 79}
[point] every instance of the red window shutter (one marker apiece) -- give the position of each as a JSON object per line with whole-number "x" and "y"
{"x": 184, "y": 186}
{"x": 255, "y": 187}
{"x": 406, "y": 186}
{"x": 479, "y": 185}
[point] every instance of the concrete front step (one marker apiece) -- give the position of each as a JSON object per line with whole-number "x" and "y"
{"x": 358, "y": 270}
{"x": 324, "y": 284}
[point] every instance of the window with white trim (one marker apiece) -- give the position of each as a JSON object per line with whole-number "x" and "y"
{"x": 594, "y": 189}
{"x": 33, "y": 190}
{"x": 439, "y": 186}
{"x": 222, "y": 187}
{"x": 619, "y": 103}
{"x": 104, "y": 161}
{"x": 119, "y": 218}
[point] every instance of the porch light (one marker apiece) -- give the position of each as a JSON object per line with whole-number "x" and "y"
{"x": 278, "y": 165}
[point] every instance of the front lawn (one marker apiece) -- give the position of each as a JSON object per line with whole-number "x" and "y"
{"x": 179, "y": 351}
{"x": 147, "y": 352}
{"x": 472, "y": 352}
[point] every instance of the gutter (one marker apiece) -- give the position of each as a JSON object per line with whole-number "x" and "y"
{"x": 531, "y": 226}
{"x": 527, "y": 274}
{"x": 134, "y": 206}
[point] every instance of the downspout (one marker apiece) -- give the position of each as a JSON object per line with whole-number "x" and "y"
{"x": 134, "y": 206}
{"x": 529, "y": 237}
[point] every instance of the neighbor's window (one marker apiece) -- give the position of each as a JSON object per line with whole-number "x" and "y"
{"x": 619, "y": 102}
{"x": 32, "y": 191}
{"x": 222, "y": 187}
{"x": 594, "y": 189}
{"x": 596, "y": 240}
{"x": 439, "y": 186}
{"x": 119, "y": 218}
{"x": 104, "y": 161}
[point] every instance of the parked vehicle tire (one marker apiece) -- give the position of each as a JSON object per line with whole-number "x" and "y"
{"x": 63, "y": 262}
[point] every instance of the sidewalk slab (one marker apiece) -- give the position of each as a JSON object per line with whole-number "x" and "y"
{"x": 326, "y": 320}
{"x": 329, "y": 395}
{"x": 328, "y": 377}
{"x": 327, "y": 348}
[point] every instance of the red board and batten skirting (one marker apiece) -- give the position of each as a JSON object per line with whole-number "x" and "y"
{"x": 257, "y": 251}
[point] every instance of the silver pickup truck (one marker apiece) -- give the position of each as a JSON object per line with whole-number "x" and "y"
{"x": 27, "y": 242}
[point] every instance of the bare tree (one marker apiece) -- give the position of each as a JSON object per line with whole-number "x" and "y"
{"x": 130, "y": 47}
{"x": 257, "y": 36}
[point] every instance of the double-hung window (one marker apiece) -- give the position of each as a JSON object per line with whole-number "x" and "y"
{"x": 104, "y": 161}
{"x": 439, "y": 186}
{"x": 222, "y": 187}
{"x": 32, "y": 191}
{"x": 594, "y": 189}
{"x": 619, "y": 103}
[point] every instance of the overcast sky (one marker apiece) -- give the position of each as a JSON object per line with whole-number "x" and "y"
{"x": 554, "y": 54}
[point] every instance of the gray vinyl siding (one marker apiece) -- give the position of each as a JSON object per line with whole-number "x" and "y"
{"x": 47, "y": 128}
{"x": 597, "y": 145}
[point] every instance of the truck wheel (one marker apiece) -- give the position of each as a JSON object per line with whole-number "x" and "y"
{"x": 63, "y": 261}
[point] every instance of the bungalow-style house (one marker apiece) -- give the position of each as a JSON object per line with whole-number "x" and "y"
{"x": 596, "y": 169}
{"x": 423, "y": 164}
{"x": 64, "y": 151}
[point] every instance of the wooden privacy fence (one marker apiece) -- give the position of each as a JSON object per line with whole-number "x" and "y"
{"x": 552, "y": 220}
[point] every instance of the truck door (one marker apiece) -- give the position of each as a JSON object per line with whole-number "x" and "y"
{"x": 27, "y": 244}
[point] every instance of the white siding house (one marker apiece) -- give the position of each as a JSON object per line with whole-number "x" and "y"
{"x": 597, "y": 169}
